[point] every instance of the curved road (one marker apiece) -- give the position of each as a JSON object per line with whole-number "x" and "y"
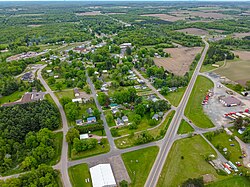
{"x": 173, "y": 128}
{"x": 63, "y": 164}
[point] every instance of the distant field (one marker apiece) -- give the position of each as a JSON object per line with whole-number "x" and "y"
{"x": 94, "y": 13}
{"x": 241, "y": 35}
{"x": 165, "y": 17}
{"x": 186, "y": 159}
{"x": 180, "y": 60}
{"x": 237, "y": 70}
{"x": 194, "y": 31}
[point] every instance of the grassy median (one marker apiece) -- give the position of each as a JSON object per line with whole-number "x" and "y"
{"x": 194, "y": 110}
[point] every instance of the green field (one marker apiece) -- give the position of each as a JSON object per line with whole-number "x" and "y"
{"x": 58, "y": 145}
{"x": 184, "y": 128}
{"x": 236, "y": 70}
{"x": 209, "y": 67}
{"x": 158, "y": 133}
{"x": 13, "y": 97}
{"x": 186, "y": 160}
{"x": 235, "y": 181}
{"x": 66, "y": 93}
{"x": 78, "y": 174}
{"x": 194, "y": 110}
{"x": 99, "y": 149}
{"x": 139, "y": 163}
{"x": 221, "y": 141}
{"x": 175, "y": 97}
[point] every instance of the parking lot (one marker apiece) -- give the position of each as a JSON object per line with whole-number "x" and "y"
{"x": 214, "y": 109}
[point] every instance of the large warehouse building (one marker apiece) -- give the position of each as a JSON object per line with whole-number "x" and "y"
{"x": 102, "y": 176}
{"x": 230, "y": 101}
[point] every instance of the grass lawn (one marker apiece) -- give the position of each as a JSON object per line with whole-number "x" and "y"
{"x": 58, "y": 145}
{"x": 158, "y": 133}
{"x": 12, "y": 97}
{"x": 175, "y": 97}
{"x": 66, "y": 93}
{"x": 209, "y": 67}
{"x": 111, "y": 123}
{"x": 235, "y": 181}
{"x": 193, "y": 165}
{"x": 78, "y": 174}
{"x": 194, "y": 110}
{"x": 99, "y": 133}
{"x": 221, "y": 141}
{"x": 92, "y": 152}
{"x": 184, "y": 128}
{"x": 139, "y": 163}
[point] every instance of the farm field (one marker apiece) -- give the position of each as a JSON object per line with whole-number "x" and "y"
{"x": 180, "y": 59}
{"x": 237, "y": 70}
{"x": 194, "y": 110}
{"x": 93, "y": 13}
{"x": 139, "y": 163}
{"x": 241, "y": 35}
{"x": 181, "y": 157}
{"x": 194, "y": 31}
{"x": 165, "y": 17}
{"x": 78, "y": 174}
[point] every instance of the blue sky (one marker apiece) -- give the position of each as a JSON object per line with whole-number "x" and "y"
{"x": 127, "y": 0}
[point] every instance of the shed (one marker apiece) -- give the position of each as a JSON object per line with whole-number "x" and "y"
{"x": 79, "y": 122}
{"x": 102, "y": 176}
{"x": 76, "y": 92}
{"x": 156, "y": 117}
{"x": 84, "y": 136}
{"x": 79, "y": 100}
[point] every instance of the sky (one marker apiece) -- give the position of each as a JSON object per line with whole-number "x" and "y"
{"x": 129, "y": 0}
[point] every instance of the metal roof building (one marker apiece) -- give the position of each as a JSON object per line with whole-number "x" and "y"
{"x": 102, "y": 176}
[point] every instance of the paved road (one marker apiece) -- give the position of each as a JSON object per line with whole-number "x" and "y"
{"x": 106, "y": 127}
{"x": 62, "y": 165}
{"x": 173, "y": 128}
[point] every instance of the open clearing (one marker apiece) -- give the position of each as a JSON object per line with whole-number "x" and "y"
{"x": 194, "y": 31}
{"x": 237, "y": 70}
{"x": 139, "y": 163}
{"x": 179, "y": 61}
{"x": 185, "y": 162}
{"x": 165, "y": 17}
{"x": 78, "y": 174}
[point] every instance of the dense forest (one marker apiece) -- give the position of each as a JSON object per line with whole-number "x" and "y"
{"x": 23, "y": 137}
{"x": 43, "y": 176}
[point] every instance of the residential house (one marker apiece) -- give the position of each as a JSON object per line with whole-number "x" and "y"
{"x": 114, "y": 110}
{"x": 91, "y": 119}
{"x": 79, "y": 122}
{"x": 119, "y": 122}
{"x": 76, "y": 92}
{"x": 90, "y": 111}
{"x": 125, "y": 119}
{"x": 156, "y": 117}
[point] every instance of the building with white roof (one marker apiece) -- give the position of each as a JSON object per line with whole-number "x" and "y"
{"x": 102, "y": 176}
{"x": 84, "y": 136}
